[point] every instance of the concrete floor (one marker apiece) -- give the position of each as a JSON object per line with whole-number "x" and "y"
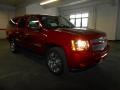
{"x": 26, "y": 71}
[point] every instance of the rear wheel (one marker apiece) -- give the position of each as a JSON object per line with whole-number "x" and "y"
{"x": 13, "y": 47}
{"x": 56, "y": 61}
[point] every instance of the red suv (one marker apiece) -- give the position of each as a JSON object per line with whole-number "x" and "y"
{"x": 64, "y": 46}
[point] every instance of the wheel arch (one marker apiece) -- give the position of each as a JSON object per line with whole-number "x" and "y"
{"x": 51, "y": 45}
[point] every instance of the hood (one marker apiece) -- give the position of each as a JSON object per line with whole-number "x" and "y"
{"x": 87, "y": 33}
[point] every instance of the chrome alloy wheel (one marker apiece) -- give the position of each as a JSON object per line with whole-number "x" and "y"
{"x": 55, "y": 62}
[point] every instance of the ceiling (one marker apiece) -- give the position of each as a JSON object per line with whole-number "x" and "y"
{"x": 12, "y": 2}
{"x": 59, "y": 3}
{"x": 19, "y": 2}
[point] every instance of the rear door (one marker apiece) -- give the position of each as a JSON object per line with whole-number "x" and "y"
{"x": 36, "y": 35}
{"x": 21, "y": 31}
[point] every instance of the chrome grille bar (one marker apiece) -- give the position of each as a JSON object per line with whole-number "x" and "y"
{"x": 99, "y": 44}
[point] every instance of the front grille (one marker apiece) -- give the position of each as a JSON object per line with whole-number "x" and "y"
{"x": 99, "y": 44}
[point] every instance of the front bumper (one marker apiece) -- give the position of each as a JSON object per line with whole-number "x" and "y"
{"x": 82, "y": 60}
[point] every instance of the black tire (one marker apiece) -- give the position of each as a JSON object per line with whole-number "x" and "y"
{"x": 13, "y": 46}
{"x": 56, "y": 61}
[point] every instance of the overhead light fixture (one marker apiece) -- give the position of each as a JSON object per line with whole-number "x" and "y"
{"x": 47, "y": 2}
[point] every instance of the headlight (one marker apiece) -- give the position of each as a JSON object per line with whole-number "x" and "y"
{"x": 79, "y": 45}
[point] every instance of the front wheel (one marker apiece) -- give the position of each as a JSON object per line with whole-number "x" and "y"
{"x": 56, "y": 61}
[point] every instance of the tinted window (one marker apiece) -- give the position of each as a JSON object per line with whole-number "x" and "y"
{"x": 33, "y": 23}
{"x": 56, "y": 22}
{"x": 21, "y": 23}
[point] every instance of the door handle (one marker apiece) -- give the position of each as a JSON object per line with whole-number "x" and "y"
{"x": 27, "y": 34}
{"x": 17, "y": 32}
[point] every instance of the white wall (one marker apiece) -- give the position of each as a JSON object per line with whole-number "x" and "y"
{"x": 102, "y": 16}
{"x": 31, "y": 7}
{"x": 6, "y": 13}
{"x": 37, "y": 9}
{"x": 118, "y": 22}
{"x": 107, "y": 20}
{"x": 20, "y": 11}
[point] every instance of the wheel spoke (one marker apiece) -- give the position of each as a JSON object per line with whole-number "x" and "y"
{"x": 54, "y": 62}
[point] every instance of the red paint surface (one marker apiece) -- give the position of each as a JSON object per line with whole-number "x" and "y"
{"x": 38, "y": 41}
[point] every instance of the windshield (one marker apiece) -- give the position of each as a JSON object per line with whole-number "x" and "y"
{"x": 56, "y": 22}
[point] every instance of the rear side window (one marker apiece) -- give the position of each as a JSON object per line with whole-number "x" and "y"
{"x": 21, "y": 23}
{"x": 33, "y": 23}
